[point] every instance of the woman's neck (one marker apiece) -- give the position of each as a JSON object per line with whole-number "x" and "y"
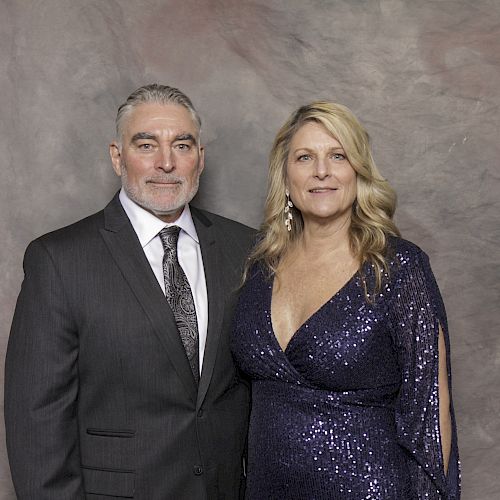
{"x": 320, "y": 237}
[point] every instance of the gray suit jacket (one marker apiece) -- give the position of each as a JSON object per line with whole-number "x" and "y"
{"x": 100, "y": 401}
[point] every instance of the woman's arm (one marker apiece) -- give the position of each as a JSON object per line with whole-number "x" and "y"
{"x": 444, "y": 402}
{"x": 424, "y": 411}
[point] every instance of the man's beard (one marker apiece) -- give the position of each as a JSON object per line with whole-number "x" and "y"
{"x": 147, "y": 200}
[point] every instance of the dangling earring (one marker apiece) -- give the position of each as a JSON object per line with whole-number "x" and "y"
{"x": 288, "y": 212}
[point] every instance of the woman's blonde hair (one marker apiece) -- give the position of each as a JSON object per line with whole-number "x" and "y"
{"x": 372, "y": 211}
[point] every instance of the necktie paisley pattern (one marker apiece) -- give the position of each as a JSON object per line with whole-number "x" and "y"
{"x": 179, "y": 297}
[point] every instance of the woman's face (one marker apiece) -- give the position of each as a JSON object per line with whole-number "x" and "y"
{"x": 321, "y": 181}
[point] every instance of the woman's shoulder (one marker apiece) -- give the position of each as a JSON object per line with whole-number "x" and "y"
{"x": 404, "y": 258}
{"x": 254, "y": 287}
{"x": 409, "y": 266}
{"x": 401, "y": 252}
{"x": 258, "y": 272}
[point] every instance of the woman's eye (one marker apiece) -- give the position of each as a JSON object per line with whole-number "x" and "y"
{"x": 338, "y": 157}
{"x": 304, "y": 158}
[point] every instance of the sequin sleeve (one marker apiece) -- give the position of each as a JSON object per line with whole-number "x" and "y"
{"x": 416, "y": 313}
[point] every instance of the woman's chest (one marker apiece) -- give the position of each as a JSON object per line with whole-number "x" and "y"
{"x": 345, "y": 344}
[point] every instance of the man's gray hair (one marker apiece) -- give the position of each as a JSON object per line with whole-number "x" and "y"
{"x": 154, "y": 93}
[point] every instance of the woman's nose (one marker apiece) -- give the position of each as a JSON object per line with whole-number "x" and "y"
{"x": 321, "y": 168}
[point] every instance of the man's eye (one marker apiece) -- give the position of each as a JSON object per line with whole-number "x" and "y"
{"x": 183, "y": 147}
{"x": 145, "y": 147}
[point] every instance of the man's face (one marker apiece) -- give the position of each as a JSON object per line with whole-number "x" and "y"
{"x": 160, "y": 159}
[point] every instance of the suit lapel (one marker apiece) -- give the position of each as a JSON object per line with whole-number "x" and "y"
{"x": 216, "y": 298}
{"x": 128, "y": 254}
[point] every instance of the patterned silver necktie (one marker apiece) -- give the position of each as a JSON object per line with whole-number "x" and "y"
{"x": 180, "y": 298}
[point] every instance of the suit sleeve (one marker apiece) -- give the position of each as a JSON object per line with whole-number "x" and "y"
{"x": 41, "y": 386}
{"x": 417, "y": 312}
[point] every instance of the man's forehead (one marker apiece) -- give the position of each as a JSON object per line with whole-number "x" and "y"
{"x": 157, "y": 115}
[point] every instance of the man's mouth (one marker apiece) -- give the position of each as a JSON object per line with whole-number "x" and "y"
{"x": 163, "y": 182}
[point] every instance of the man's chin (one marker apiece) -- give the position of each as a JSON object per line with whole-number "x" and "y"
{"x": 167, "y": 212}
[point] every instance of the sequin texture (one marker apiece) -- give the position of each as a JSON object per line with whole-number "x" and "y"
{"x": 350, "y": 409}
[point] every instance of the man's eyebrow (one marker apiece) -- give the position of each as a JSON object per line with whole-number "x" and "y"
{"x": 143, "y": 135}
{"x": 185, "y": 137}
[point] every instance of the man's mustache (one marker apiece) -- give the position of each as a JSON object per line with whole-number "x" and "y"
{"x": 165, "y": 179}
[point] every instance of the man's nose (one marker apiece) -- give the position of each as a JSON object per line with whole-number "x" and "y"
{"x": 165, "y": 159}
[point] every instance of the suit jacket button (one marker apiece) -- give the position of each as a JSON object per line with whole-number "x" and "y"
{"x": 198, "y": 470}
{"x": 200, "y": 413}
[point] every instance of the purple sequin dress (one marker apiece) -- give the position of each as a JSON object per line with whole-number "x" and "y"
{"x": 350, "y": 410}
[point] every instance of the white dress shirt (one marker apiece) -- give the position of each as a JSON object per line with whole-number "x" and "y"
{"x": 147, "y": 226}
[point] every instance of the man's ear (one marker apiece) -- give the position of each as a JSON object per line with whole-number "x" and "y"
{"x": 116, "y": 157}
{"x": 202, "y": 159}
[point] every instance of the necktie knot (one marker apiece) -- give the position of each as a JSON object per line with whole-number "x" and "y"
{"x": 169, "y": 237}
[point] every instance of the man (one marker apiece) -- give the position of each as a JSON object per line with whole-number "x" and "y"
{"x": 119, "y": 379}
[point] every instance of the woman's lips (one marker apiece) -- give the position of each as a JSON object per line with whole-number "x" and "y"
{"x": 322, "y": 190}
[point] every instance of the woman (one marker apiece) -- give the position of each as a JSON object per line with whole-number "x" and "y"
{"x": 341, "y": 328}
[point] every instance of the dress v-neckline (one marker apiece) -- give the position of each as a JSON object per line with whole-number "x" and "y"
{"x": 308, "y": 319}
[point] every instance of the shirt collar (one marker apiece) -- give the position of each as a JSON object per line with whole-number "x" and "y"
{"x": 147, "y": 226}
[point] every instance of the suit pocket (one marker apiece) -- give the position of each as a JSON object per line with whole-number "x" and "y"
{"x": 116, "y": 483}
{"x": 111, "y": 433}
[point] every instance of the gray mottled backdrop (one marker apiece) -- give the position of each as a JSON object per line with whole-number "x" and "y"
{"x": 423, "y": 76}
